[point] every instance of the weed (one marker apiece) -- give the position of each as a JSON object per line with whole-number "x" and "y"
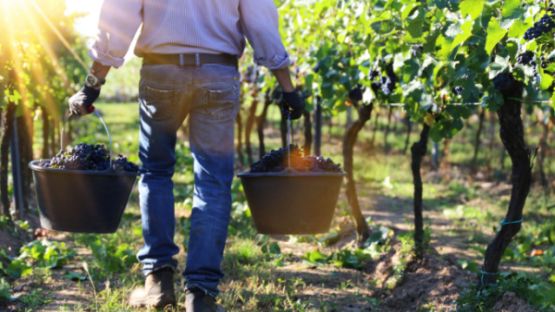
{"x": 529, "y": 287}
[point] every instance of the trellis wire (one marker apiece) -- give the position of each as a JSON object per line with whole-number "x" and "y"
{"x": 472, "y": 103}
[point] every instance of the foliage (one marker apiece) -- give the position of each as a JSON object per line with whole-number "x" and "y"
{"x": 443, "y": 53}
{"x": 355, "y": 258}
{"x": 534, "y": 290}
{"x": 41, "y": 56}
{"x": 5, "y": 291}
{"x": 37, "y": 254}
{"x": 110, "y": 256}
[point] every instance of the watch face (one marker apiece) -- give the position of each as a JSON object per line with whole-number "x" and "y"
{"x": 91, "y": 80}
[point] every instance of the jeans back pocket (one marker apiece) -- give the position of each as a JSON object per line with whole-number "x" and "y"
{"x": 157, "y": 103}
{"x": 219, "y": 101}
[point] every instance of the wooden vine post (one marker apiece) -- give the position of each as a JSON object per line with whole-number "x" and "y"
{"x": 251, "y": 119}
{"x": 5, "y": 142}
{"x": 364, "y": 113}
{"x": 318, "y": 128}
{"x": 512, "y": 136}
{"x": 307, "y": 133}
{"x": 418, "y": 151}
{"x": 261, "y": 123}
{"x": 239, "y": 148}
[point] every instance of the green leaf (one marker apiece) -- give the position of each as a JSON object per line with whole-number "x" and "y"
{"x": 274, "y": 248}
{"x": 495, "y": 35}
{"x": 511, "y": 8}
{"x": 518, "y": 28}
{"x": 416, "y": 23}
{"x": 315, "y": 256}
{"x": 473, "y": 8}
{"x": 75, "y": 276}
{"x": 466, "y": 32}
{"x": 546, "y": 80}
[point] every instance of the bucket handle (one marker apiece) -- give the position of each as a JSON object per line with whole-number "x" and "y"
{"x": 104, "y": 125}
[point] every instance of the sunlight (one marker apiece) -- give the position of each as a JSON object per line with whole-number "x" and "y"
{"x": 31, "y": 34}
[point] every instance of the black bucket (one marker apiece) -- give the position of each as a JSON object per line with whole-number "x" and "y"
{"x": 81, "y": 201}
{"x": 292, "y": 202}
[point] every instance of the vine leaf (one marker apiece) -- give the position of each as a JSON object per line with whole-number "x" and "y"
{"x": 495, "y": 34}
{"x": 473, "y": 8}
{"x": 511, "y": 8}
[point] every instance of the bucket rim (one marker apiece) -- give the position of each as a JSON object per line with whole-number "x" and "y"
{"x": 34, "y": 166}
{"x": 286, "y": 173}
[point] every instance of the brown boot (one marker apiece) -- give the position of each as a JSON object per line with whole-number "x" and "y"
{"x": 197, "y": 300}
{"x": 158, "y": 291}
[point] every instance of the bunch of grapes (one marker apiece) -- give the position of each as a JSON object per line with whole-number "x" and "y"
{"x": 122, "y": 164}
{"x": 88, "y": 157}
{"x": 355, "y": 94}
{"x": 543, "y": 26}
{"x": 293, "y": 157}
{"x": 526, "y": 58}
{"x": 384, "y": 83}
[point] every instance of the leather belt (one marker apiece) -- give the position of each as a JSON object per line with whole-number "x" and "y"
{"x": 190, "y": 59}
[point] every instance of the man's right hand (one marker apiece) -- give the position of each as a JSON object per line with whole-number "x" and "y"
{"x": 81, "y": 103}
{"x": 293, "y": 104}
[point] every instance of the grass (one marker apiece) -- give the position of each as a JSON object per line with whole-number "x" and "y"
{"x": 262, "y": 275}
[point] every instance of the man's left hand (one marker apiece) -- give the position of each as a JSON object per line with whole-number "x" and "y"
{"x": 293, "y": 104}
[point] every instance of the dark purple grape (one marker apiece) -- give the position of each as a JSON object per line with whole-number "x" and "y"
{"x": 277, "y": 160}
{"x": 88, "y": 157}
{"x": 355, "y": 94}
{"x": 543, "y": 26}
{"x": 525, "y": 58}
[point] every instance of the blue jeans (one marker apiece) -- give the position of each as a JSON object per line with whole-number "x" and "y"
{"x": 209, "y": 96}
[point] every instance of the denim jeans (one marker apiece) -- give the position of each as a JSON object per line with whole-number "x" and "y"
{"x": 209, "y": 96}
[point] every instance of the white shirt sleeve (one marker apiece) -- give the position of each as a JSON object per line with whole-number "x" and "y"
{"x": 260, "y": 23}
{"x": 118, "y": 24}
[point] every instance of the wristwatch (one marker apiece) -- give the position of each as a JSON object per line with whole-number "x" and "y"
{"x": 94, "y": 82}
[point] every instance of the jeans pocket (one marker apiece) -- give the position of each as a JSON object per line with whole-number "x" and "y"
{"x": 219, "y": 101}
{"x": 157, "y": 104}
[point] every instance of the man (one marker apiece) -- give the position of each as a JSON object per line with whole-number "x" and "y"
{"x": 189, "y": 50}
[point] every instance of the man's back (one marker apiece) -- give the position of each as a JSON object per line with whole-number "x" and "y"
{"x": 190, "y": 26}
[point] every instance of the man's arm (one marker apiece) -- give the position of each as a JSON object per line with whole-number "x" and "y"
{"x": 283, "y": 77}
{"x": 118, "y": 24}
{"x": 100, "y": 71}
{"x": 260, "y": 22}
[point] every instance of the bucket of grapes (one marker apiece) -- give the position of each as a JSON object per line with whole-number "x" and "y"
{"x": 290, "y": 193}
{"x": 83, "y": 189}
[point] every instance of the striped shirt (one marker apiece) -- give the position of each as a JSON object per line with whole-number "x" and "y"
{"x": 189, "y": 26}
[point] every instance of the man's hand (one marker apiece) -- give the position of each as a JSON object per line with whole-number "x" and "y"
{"x": 81, "y": 103}
{"x": 293, "y": 104}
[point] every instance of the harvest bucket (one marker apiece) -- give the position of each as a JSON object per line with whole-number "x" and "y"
{"x": 292, "y": 202}
{"x": 81, "y": 201}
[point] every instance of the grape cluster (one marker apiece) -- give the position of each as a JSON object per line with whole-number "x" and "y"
{"x": 120, "y": 163}
{"x": 293, "y": 157}
{"x": 543, "y": 26}
{"x": 458, "y": 90}
{"x": 526, "y": 58}
{"x": 355, "y": 94}
{"x": 88, "y": 157}
{"x": 385, "y": 83}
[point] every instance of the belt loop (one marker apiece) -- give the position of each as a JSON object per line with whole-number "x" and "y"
{"x": 181, "y": 59}
{"x": 197, "y": 59}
